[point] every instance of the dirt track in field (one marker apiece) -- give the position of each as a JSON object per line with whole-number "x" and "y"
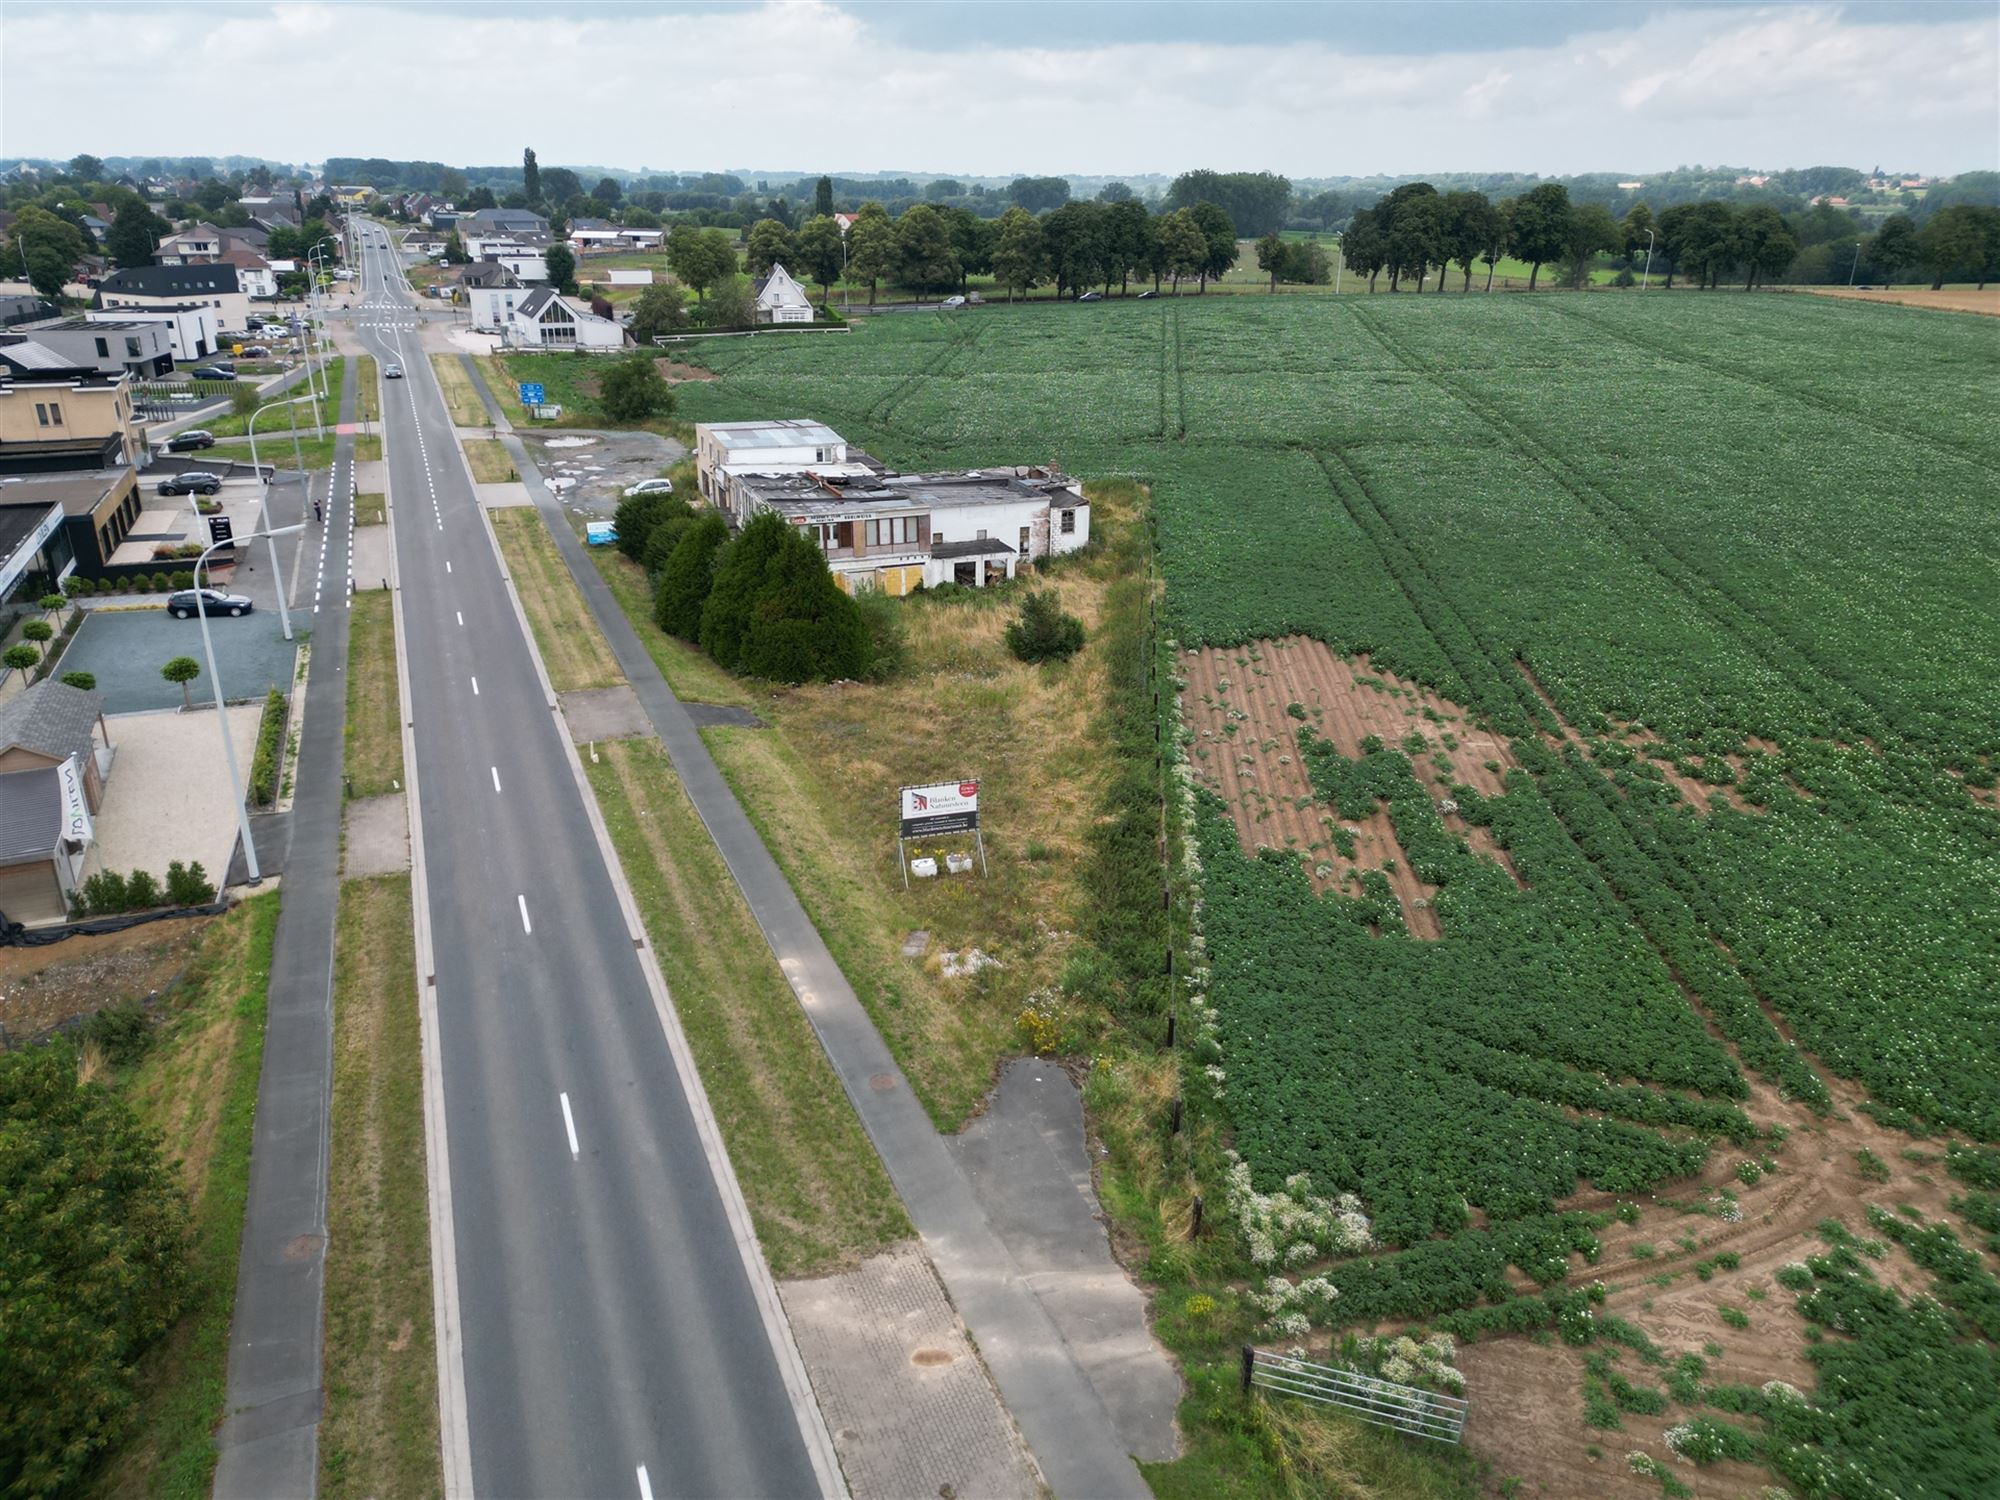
{"x": 1949, "y": 299}
{"x": 1246, "y": 750}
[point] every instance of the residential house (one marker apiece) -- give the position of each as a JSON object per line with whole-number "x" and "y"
{"x": 524, "y": 257}
{"x": 504, "y": 221}
{"x": 58, "y": 416}
{"x": 142, "y": 349}
{"x": 100, "y": 508}
{"x": 491, "y": 291}
{"x": 248, "y": 237}
{"x": 546, "y": 320}
{"x": 34, "y": 551}
{"x": 284, "y": 212}
{"x": 213, "y": 286}
{"x": 55, "y": 753}
{"x": 193, "y": 330}
{"x": 898, "y": 532}
{"x": 254, "y": 274}
{"x": 97, "y": 227}
{"x": 780, "y": 299}
{"x": 787, "y": 445}
{"x": 196, "y": 245}
{"x": 602, "y": 234}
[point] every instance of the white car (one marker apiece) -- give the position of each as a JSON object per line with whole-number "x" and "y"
{"x": 649, "y": 487}
{"x": 952, "y": 302}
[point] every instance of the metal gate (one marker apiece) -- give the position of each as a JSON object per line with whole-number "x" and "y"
{"x": 1407, "y": 1408}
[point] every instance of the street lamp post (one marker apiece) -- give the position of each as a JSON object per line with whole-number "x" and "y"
{"x": 277, "y": 569}
{"x": 1857, "y": 263}
{"x": 1340, "y": 261}
{"x": 1643, "y": 280}
{"x": 236, "y": 789}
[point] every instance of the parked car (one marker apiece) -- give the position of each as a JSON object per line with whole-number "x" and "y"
{"x": 193, "y": 438}
{"x": 1149, "y": 292}
{"x": 211, "y": 372}
{"x": 649, "y": 487}
{"x": 275, "y": 331}
{"x": 184, "y": 605}
{"x": 256, "y": 351}
{"x": 392, "y": 372}
{"x": 193, "y": 482}
{"x": 1090, "y": 296}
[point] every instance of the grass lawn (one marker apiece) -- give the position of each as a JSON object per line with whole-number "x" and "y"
{"x": 368, "y": 392}
{"x": 816, "y": 1189}
{"x": 489, "y": 460}
{"x": 572, "y": 648}
{"x": 460, "y": 399}
{"x": 197, "y": 1086}
{"x": 276, "y": 448}
{"x": 370, "y": 509}
{"x": 689, "y": 673}
{"x": 374, "y": 758}
{"x": 379, "y": 1435}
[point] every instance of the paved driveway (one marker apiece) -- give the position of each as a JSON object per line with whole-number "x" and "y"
{"x": 168, "y": 794}
{"x": 125, "y": 649}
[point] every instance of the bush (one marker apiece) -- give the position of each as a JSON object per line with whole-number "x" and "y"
{"x": 665, "y": 538}
{"x": 142, "y": 891}
{"x": 85, "y": 680}
{"x": 632, "y": 391}
{"x": 54, "y": 602}
{"x": 76, "y": 584}
{"x": 188, "y": 885}
{"x": 38, "y": 631}
{"x": 184, "y": 579}
{"x": 638, "y": 515}
{"x": 162, "y": 584}
{"x": 1043, "y": 632}
{"x": 120, "y": 1034}
{"x": 109, "y": 586}
{"x": 264, "y": 764}
{"x": 882, "y": 619}
{"x": 739, "y": 569}
{"x": 94, "y": 1255}
{"x": 140, "y": 584}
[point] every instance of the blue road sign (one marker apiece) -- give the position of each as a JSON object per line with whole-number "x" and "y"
{"x": 532, "y": 395}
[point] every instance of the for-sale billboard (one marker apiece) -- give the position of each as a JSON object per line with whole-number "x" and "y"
{"x": 948, "y": 807}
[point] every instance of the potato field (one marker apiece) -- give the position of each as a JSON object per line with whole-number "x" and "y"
{"x": 1723, "y": 574}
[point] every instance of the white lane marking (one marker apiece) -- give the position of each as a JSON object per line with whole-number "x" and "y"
{"x": 645, "y": 1484}
{"x": 496, "y": 778}
{"x": 526, "y": 926}
{"x": 569, "y": 1124}
{"x": 447, "y": 565}
{"x": 461, "y": 616}
{"x": 475, "y": 687}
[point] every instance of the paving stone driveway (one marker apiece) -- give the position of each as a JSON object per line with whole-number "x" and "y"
{"x": 125, "y": 650}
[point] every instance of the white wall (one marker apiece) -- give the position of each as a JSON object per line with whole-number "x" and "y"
{"x": 231, "y": 309}
{"x": 493, "y": 306}
{"x": 192, "y": 335}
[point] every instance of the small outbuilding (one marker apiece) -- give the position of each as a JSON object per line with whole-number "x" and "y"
{"x": 54, "y": 756}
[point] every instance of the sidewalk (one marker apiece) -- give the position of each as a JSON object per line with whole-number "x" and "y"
{"x": 1059, "y": 1411}
{"x": 269, "y": 1438}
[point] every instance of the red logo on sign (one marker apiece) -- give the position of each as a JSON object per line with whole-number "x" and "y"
{"x": 920, "y": 802}
{"x": 968, "y": 789}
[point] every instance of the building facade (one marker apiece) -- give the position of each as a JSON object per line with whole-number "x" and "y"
{"x": 140, "y": 288}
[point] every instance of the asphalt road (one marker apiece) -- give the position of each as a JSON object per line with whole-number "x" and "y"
{"x": 608, "y": 1322}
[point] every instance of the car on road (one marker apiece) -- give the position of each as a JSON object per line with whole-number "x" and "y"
{"x": 649, "y": 487}
{"x": 1148, "y": 293}
{"x": 1090, "y": 296}
{"x": 187, "y": 442}
{"x": 192, "y": 482}
{"x": 190, "y": 602}
{"x": 211, "y": 372}
{"x": 954, "y": 303}
{"x": 392, "y": 372}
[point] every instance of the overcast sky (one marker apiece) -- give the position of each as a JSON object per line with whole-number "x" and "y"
{"x": 998, "y": 89}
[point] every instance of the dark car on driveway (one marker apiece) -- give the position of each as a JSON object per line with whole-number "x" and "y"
{"x": 194, "y": 437}
{"x": 184, "y": 605}
{"x": 193, "y": 482}
{"x": 212, "y": 372}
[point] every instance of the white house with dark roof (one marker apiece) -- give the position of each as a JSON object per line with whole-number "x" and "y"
{"x": 140, "y": 288}
{"x": 544, "y": 319}
{"x": 780, "y": 299}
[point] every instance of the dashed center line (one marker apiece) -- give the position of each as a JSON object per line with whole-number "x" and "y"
{"x": 475, "y": 687}
{"x": 645, "y": 1484}
{"x": 496, "y": 778}
{"x": 569, "y": 1125}
{"x": 526, "y": 925}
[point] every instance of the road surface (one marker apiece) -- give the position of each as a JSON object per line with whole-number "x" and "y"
{"x": 612, "y": 1341}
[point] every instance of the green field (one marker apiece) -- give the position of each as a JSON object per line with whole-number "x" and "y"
{"x": 1739, "y": 544}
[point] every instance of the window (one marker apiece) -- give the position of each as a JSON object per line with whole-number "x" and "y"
{"x": 55, "y": 414}
{"x": 1068, "y": 522}
{"x": 981, "y": 534}
{"x": 131, "y": 348}
{"x": 104, "y": 348}
{"x": 41, "y": 413}
{"x": 1024, "y": 541}
{"x": 892, "y": 531}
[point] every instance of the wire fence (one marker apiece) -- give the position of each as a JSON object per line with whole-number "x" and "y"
{"x": 1406, "y": 1408}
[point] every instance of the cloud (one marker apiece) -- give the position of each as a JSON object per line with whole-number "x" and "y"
{"x": 810, "y": 85}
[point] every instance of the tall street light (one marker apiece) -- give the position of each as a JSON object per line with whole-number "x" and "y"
{"x": 1649, "y": 262}
{"x": 1857, "y": 263}
{"x": 1340, "y": 261}
{"x": 284, "y": 611}
{"x": 236, "y": 789}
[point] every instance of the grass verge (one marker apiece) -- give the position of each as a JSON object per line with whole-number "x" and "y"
{"x": 573, "y": 649}
{"x": 197, "y": 1085}
{"x": 460, "y": 399}
{"x": 374, "y": 751}
{"x": 489, "y": 460}
{"x": 367, "y": 389}
{"x": 371, "y": 508}
{"x": 693, "y": 677}
{"x": 276, "y": 448}
{"x": 379, "y": 1434}
{"x": 816, "y": 1189}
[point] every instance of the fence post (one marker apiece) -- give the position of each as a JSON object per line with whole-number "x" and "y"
{"x": 1172, "y": 1018}
{"x": 1176, "y": 1117}
{"x": 1249, "y": 1364}
{"x": 1194, "y": 1230}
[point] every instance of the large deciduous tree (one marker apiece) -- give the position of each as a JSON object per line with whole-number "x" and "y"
{"x": 1591, "y": 230}
{"x": 1952, "y": 240}
{"x": 1765, "y": 243}
{"x": 823, "y": 198}
{"x": 1218, "y": 233}
{"x": 770, "y": 244}
{"x": 1471, "y": 224}
{"x": 1540, "y": 229}
{"x": 134, "y": 235}
{"x": 1019, "y": 256}
{"x": 819, "y": 249}
{"x": 531, "y": 176}
{"x": 925, "y": 259}
{"x": 873, "y": 251}
{"x": 661, "y": 309}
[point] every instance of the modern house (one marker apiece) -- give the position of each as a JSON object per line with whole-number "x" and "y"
{"x": 602, "y": 234}
{"x": 144, "y": 350}
{"x": 784, "y": 446}
{"x": 525, "y": 258}
{"x": 58, "y": 416}
{"x": 193, "y": 330}
{"x": 503, "y": 221}
{"x": 780, "y": 299}
{"x": 546, "y": 320}
{"x": 34, "y": 551}
{"x": 152, "y": 287}
{"x": 99, "y": 509}
{"x": 899, "y": 532}
{"x": 55, "y": 754}
{"x": 491, "y": 292}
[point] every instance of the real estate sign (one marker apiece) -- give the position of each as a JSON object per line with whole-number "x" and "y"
{"x": 948, "y": 807}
